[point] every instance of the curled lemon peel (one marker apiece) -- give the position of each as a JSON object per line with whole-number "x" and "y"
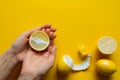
{"x": 66, "y": 64}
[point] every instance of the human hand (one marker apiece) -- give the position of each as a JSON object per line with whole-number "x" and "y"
{"x": 22, "y": 42}
{"x": 36, "y": 64}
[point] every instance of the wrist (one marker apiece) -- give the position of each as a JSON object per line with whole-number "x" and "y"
{"x": 10, "y": 53}
{"x": 13, "y": 53}
{"x": 8, "y": 62}
{"x": 27, "y": 76}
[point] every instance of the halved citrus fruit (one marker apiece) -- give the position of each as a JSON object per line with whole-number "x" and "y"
{"x": 39, "y": 40}
{"x": 107, "y": 45}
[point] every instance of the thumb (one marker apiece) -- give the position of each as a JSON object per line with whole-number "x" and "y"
{"x": 53, "y": 52}
{"x": 46, "y": 54}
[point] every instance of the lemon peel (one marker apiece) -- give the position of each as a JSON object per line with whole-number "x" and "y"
{"x": 68, "y": 60}
{"x": 84, "y": 65}
{"x": 66, "y": 64}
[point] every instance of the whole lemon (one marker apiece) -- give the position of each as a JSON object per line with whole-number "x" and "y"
{"x": 106, "y": 67}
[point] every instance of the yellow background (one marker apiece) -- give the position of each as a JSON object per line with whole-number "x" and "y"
{"x": 78, "y": 23}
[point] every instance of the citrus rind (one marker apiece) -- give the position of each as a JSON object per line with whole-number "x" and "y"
{"x": 39, "y": 40}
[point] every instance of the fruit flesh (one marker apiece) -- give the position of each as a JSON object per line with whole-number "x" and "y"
{"x": 107, "y": 45}
{"x": 39, "y": 40}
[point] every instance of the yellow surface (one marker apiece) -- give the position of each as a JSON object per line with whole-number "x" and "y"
{"x": 78, "y": 22}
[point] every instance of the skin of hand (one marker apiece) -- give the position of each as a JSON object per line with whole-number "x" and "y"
{"x": 19, "y": 51}
{"x": 36, "y": 63}
{"x": 22, "y": 42}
